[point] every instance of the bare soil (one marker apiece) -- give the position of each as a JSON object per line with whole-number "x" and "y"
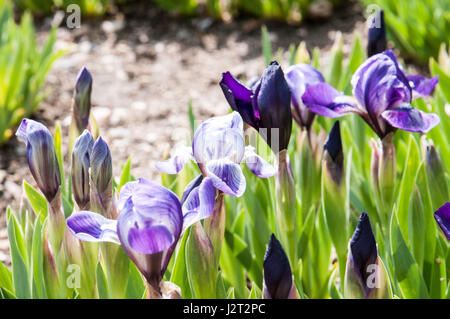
{"x": 147, "y": 66}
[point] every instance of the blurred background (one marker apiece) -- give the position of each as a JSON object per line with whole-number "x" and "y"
{"x": 152, "y": 59}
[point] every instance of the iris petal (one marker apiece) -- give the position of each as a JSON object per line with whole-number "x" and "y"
{"x": 89, "y": 226}
{"x": 411, "y": 119}
{"x": 257, "y": 165}
{"x": 325, "y": 100}
{"x": 199, "y": 203}
{"x": 442, "y": 216}
{"x": 176, "y": 163}
{"x": 226, "y": 176}
{"x": 421, "y": 85}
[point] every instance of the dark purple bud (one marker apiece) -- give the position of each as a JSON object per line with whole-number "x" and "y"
{"x": 335, "y": 159}
{"x": 442, "y": 216}
{"x": 377, "y": 35}
{"x": 82, "y": 99}
{"x": 80, "y": 169}
{"x": 101, "y": 177}
{"x": 273, "y": 98}
{"x": 41, "y": 157}
{"x": 277, "y": 271}
{"x": 362, "y": 259}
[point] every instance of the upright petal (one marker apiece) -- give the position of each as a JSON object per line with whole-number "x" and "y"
{"x": 239, "y": 98}
{"x": 176, "y": 163}
{"x": 421, "y": 85}
{"x": 325, "y": 100}
{"x": 93, "y": 227}
{"x": 226, "y": 176}
{"x": 298, "y": 77}
{"x": 41, "y": 156}
{"x": 410, "y": 119}
{"x": 273, "y": 99}
{"x": 257, "y": 165}
{"x": 442, "y": 216}
{"x": 219, "y": 137}
{"x": 379, "y": 84}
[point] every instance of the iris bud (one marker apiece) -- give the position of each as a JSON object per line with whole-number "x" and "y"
{"x": 334, "y": 156}
{"x": 41, "y": 157}
{"x": 278, "y": 281}
{"x": 436, "y": 173}
{"x": 101, "y": 177}
{"x": 82, "y": 99}
{"x": 80, "y": 169}
{"x": 365, "y": 275}
{"x": 377, "y": 35}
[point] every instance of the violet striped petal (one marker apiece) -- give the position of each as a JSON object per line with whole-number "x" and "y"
{"x": 226, "y": 176}
{"x": 442, "y": 216}
{"x": 325, "y": 100}
{"x": 239, "y": 98}
{"x": 257, "y": 165}
{"x": 199, "y": 203}
{"x": 93, "y": 227}
{"x": 176, "y": 163}
{"x": 421, "y": 85}
{"x": 410, "y": 119}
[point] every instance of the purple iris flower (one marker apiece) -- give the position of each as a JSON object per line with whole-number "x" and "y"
{"x": 218, "y": 148}
{"x": 442, "y": 216}
{"x": 383, "y": 96}
{"x": 41, "y": 157}
{"x": 298, "y": 78}
{"x": 149, "y": 225}
{"x": 265, "y": 105}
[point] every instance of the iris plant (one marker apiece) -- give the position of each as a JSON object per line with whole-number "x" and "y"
{"x": 266, "y": 106}
{"x": 149, "y": 225}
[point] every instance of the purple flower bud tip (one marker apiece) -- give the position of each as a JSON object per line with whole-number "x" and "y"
{"x": 363, "y": 247}
{"x": 333, "y": 144}
{"x": 41, "y": 156}
{"x": 377, "y": 35}
{"x": 442, "y": 216}
{"x": 84, "y": 80}
{"x": 101, "y": 164}
{"x": 277, "y": 271}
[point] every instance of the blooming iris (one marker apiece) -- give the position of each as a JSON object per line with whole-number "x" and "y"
{"x": 149, "y": 225}
{"x": 265, "y": 106}
{"x": 298, "y": 78}
{"x": 383, "y": 93}
{"x": 218, "y": 148}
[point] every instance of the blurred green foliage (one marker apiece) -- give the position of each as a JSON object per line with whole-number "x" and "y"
{"x": 23, "y": 67}
{"x": 417, "y": 27}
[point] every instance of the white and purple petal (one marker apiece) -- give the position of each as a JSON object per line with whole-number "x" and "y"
{"x": 422, "y": 86}
{"x": 219, "y": 137}
{"x": 226, "y": 176}
{"x": 175, "y": 164}
{"x": 325, "y": 100}
{"x": 199, "y": 203}
{"x": 93, "y": 227}
{"x": 257, "y": 165}
{"x": 442, "y": 216}
{"x": 410, "y": 119}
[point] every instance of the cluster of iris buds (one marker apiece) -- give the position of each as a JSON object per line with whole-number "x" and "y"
{"x": 144, "y": 221}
